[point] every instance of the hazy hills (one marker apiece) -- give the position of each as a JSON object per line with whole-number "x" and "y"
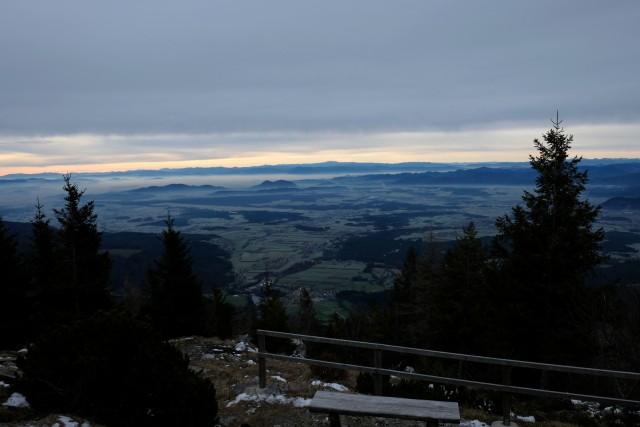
{"x": 606, "y": 166}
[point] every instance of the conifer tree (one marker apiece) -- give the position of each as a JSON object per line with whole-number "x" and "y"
{"x": 44, "y": 268}
{"x": 85, "y": 270}
{"x": 545, "y": 251}
{"x": 13, "y": 295}
{"x": 176, "y": 303}
{"x": 404, "y": 319}
{"x": 411, "y": 300}
{"x": 221, "y": 314}
{"x": 273, "y": 316}
{"x": 306, "y": 321}
{"x": 459, "y": 318}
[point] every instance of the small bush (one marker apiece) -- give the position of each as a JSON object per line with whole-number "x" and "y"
{"x": 366, "y": 384}
{"x": 112, "y": 368}
{"x": 327, "y": 374}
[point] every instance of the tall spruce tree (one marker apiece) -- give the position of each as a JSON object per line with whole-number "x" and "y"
{"x": 408, "y": 314}
{"x": 220, "y": 314}
{"x": 545, "y": 251}
{"x": 306, "y": 320}
{"x": 273, "y": 316}
{"x": 43, "y": 262}
{"x": 85, "y": 270}
{"x": 459, "y": 319}
{"x": 405, "y": 325}
{"x": 13, "y": 294}
{"x": 176, "y": 303}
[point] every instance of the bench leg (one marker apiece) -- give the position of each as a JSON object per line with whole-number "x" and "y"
{"x": 334, "y": 420}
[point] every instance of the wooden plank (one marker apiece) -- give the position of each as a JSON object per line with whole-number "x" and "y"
{"x": 383, "y": 406}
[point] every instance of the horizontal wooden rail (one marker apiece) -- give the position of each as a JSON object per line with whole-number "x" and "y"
{"x": 505, "y": 387}
{"x": 456, "y": 356}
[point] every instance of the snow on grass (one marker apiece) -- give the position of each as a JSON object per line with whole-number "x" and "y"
{"x": 472, "y": 423}
{"x": 528, "y": 419}
{"x": 592, "y": 408}
{"x": 3, "y": 384}
{"x": 334, "y": 386}
{"x": 300, "y": 402}
{"x": 16, "y": 400}
{"x": 278, "y": 378}
{"x": 272, "y": 398}
{"x": 243, "y": 346}
{"x": 68, "y": 422}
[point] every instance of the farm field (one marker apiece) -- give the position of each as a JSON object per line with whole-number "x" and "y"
{"x": 331, "y": 239}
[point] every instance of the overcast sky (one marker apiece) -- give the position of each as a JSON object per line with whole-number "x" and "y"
{"x": 105, "y": 85}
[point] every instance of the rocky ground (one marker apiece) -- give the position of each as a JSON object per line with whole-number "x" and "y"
{"x": 233, "y": 368}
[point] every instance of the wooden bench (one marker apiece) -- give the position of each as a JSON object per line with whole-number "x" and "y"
{"x": 429, "y": 411}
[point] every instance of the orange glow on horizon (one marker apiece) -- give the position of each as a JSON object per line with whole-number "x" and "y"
{"x": 271, "y": 159}
{"x": 295, "y": 158}
{"x": 116, "y": 153}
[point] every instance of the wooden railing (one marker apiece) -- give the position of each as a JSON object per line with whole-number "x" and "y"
{"x": 504, "y": 385}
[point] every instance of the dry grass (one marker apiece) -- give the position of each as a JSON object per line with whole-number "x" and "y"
{"x": 233, "y": 374}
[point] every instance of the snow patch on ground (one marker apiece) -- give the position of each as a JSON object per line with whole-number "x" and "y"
{"x": 3, "y": 384}
{"x": 592, "y": 408}
{"x": 334, "y": 386}
{"x": 273, "y": 398}
{"x": 16, "y": 400}
{"x": 528, "y": 419}
{"x": 278, "y": 378}
{"x": 68, "y": 422}
{"x": 472, "y": 423}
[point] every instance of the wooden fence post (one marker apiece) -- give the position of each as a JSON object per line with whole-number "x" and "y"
{"x": 506, "y": 396}
{"x": 262, "y": 363}
{"x": 377, "y": 362}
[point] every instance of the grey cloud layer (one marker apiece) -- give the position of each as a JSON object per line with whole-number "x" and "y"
{"x": 226, "y": 66}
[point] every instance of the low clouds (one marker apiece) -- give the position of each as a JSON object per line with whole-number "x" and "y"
{"x": 124, "y": 152}
{"x": 179, "y": 81}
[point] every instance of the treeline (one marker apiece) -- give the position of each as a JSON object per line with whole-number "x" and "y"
{"x": 95, "y": 355}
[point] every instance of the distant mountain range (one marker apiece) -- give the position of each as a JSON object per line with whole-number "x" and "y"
{"x": 270, "y": 185}
{"x": 606, "y": 167}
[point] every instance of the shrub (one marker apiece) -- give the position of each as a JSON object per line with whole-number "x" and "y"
{"x": 114, "y": 369}
{"x": 326, "y": 373}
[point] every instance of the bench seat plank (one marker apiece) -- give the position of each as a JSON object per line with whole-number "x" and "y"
{"x": 383, "y": 406}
